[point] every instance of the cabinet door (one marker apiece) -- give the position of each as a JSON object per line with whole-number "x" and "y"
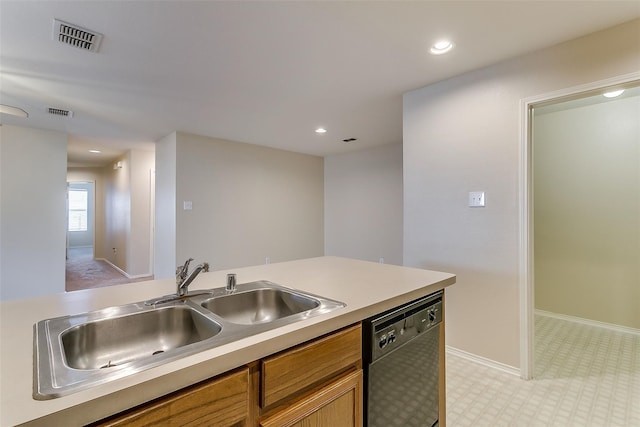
{"x": 338, "y": 404}
{"x": 221, "y": 402}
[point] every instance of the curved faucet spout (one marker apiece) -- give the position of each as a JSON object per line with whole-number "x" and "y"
{"x": 183, "y": 279}
{"x": 181, "y": 272}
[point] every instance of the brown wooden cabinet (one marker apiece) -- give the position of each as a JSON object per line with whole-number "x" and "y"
{"x": 315, "y": 384}
{"x": 305, "y": 366}
{"x": 337, "y": 404}
{"x": 442, "y": 375}
{"x": 318, "y": 383}
{"x": 222, "y": 401}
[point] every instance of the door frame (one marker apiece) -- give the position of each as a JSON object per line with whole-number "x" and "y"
{"x": 526, "y": 259}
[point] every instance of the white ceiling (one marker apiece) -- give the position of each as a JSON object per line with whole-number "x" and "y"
{"x": 262, "y": 72}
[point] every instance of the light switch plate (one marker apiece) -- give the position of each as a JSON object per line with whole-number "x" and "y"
{"x": 476, "y": 199}
{"x": 188, "y": 205}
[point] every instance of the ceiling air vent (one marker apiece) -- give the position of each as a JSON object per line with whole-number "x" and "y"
{"x": 60, "y": 112}
{"x": 76, "y": 36}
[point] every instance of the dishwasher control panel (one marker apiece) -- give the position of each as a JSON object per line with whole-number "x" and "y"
{"x": 397, "y": 327}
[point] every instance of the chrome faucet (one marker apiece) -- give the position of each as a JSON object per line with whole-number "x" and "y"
{"x": 184, "y": 279}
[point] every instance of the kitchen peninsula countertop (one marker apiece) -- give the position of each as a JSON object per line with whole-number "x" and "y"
{"x": 366, "y": 288}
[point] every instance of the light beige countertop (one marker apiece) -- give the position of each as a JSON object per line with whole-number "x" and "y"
{"x": 366, "y": 288}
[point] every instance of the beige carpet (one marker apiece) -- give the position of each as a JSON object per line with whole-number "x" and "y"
{"x": 84, "y": 272}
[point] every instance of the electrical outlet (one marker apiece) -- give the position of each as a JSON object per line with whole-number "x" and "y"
{"x": 476, "y": 199}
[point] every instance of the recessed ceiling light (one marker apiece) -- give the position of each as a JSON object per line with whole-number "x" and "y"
{"x": 442, "y": 46}
{"x": 14, "y": 111}
{"x": 321, "y": 130}
{"x": 95, "y": 151}
{"x": 614, "y": 93}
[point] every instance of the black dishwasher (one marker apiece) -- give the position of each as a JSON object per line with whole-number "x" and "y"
{"x": 401, "y": 365}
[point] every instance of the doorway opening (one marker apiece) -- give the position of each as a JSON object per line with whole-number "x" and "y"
{"x": 87, "y": 264}
{"x": 580, "y": 203}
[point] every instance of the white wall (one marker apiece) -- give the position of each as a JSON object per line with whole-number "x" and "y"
{"x": 587, "y": 211}
{"x": 165, "y": 210}
{"x": 118, "y": 213}
{"x": 142, "y": 165}
{"x": 33, "y": 187}
{"x": 128, "y": 213}
{"x": 249, "y": 202}
{"x": 462, "y": 135}
{"x": 363, "y": 204}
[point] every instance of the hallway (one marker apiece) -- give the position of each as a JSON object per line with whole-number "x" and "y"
{"x": 84, "y": 272}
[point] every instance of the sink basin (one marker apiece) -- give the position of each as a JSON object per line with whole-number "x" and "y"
{"x": 260, "y": 305}
{"x": 114, "y": 341}
{"x": 73, "y": 353}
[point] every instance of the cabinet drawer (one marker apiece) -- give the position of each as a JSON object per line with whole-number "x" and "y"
{"x": 302, "y": 367}
{"x": 223, "y": 401}
{"x": 337, "y": 404}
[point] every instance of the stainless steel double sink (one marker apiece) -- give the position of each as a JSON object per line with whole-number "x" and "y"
{"x": 73, "y": 353}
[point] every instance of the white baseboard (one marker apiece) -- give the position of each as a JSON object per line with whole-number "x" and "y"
{"x": 121, "y": 271}
{"x": 589, "y": 322}
{"x": 512, "y": 370}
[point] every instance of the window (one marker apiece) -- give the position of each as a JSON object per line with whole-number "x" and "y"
{"x": 78, "y": 210}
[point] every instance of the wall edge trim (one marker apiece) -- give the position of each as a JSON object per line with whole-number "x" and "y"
{"x": 124, "y": 273}
{"x": 589, "y": 322}
{"x": 508, "y": 369}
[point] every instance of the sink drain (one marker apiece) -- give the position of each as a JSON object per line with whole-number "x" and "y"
{"x": 157, "y": 352}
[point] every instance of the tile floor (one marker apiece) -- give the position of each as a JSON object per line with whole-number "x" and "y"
{"x": 584, "y": 376}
